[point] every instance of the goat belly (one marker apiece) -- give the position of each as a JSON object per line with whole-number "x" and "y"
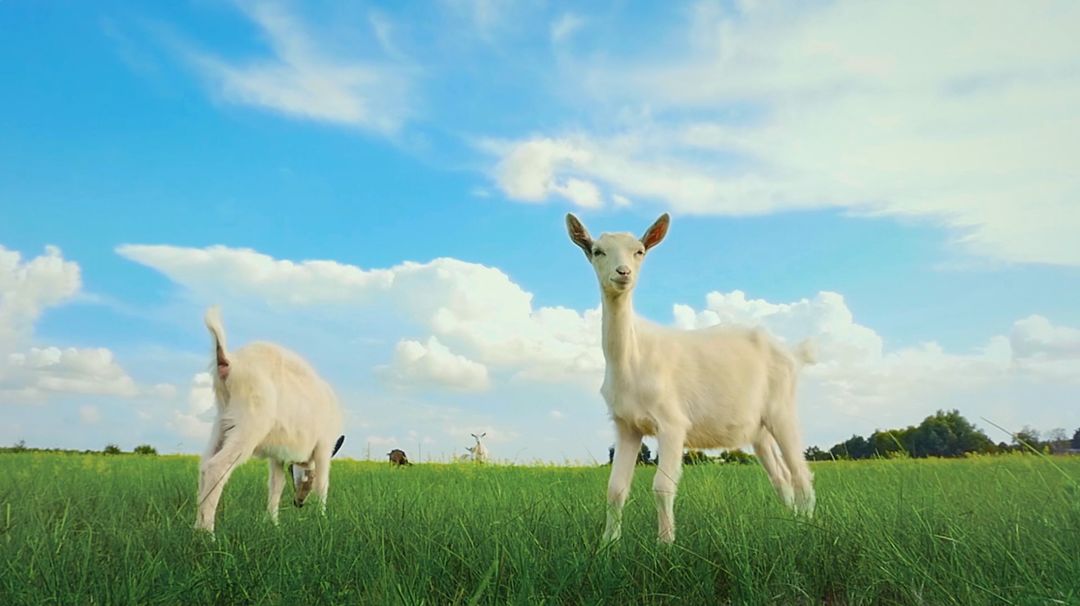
{"x": 281, "y": 452}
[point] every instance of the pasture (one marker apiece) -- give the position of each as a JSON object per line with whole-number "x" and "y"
{"x": 90, "y": 529}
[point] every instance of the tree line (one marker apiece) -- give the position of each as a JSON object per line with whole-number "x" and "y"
{"x": 110, "y": 449}
{"x": 943, "y": 434}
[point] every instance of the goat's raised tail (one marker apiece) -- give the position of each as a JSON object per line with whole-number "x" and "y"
{"x": 217, "y": 331}
{"x": 806, "y": 352}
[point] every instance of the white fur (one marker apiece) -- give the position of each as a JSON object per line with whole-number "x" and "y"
{"x": 710, "y": 388}
{"x": 272, "y": 404}
{"x": 478, "y": 452}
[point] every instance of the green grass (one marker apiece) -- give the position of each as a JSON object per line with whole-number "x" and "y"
{"x": 86, "y": 529}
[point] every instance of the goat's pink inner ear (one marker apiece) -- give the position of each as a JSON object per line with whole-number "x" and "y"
{"x": 223, "y": 370}
{"x": 656, "y": 231}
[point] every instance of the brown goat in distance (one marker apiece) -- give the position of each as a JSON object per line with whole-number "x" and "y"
{"x": 397, "y": 457}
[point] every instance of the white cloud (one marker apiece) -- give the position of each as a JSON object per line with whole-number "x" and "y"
{"x": 873, "y": 108}
{"x": 527, "y": 171}
{"x": 1036, "y": 337}
{"x": 27, "y": 372}
{"x": 89, "y": 415}
{"x": 557, "y": 415}
{"x": 1046, "y": 350}
{"x": 433, "y": 364}
{"x": 476, "y": 310}
{"x": 195, "y": 422}
{"x": 306, "y": 80}
{"x": 579, "y": 191}
{"x": 41, "y": 371}
{"x": 566, "y": 26}
{"x": 29, "y": 287}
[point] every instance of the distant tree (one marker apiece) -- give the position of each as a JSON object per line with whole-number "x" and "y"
{"x": 855, "y": 447}
{"x": 942, "y": 434}
{"x": 112, "y": 449}
{"x": 20, "y": 446}
{"x": 816, "y": 454}
{"x": 145, "y": 449}
{"x": 1028, "y": 438}
{"x": 694, "y": 457}
{"x": 645, "y": 455}
{"x": 1076, "y": 439}
{"x": 735, "y": 456}
{"x": 886, "y": 443}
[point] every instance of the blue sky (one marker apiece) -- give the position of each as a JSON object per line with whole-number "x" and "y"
{"x": 912, "y": 206}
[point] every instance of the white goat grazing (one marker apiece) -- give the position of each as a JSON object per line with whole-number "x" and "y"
{"x": 272, "y": 404}
{"x": 479, "y": 452}
{"x": 711, "y": 388}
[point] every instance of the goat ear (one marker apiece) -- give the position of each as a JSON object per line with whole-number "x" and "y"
{"x": 483, "y": 435}
{"x": 656, "y": 232}
{"x": 337, "y": 447}
{"x": 579, "y": 235}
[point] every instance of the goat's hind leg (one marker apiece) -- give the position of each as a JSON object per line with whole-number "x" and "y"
{"x": 214, "y": 473}
{"x": 786, "y": 431}
{"x": 768, "y": 452}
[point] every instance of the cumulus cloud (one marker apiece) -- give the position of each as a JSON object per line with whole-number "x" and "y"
{"x": 530, "y": 171}
{"x": 432, "y": 363}
{"x": 474, "y": 309}
{"x": 29, "y": 287}
{"x": 1044, "y": 349}
{"x": 195, "y": 422}
{"x": 41, "y": 371}
{"x": 775, "y": 107}
{"x": 304, "y": 79}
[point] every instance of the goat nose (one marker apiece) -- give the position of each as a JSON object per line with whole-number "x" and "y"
{"x": 622, "y": 270}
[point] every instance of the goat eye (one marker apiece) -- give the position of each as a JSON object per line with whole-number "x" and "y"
{"x": 598, "y": 253}
{"x": 640, "y": 253}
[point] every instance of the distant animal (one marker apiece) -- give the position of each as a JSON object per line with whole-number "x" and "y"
{"x": 478, "y": 452}
{"x": 272, "y": 404}
{"x": 397, "y": 457}
{"x": 718, "y": 387}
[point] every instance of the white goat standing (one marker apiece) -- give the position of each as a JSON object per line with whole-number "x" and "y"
{"x": 478, "y": 451}
{"x": 711, "y": 388}
{"x": 272, "y": 404}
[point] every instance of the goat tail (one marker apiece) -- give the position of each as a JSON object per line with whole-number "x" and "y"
{"x": 806, "y": 352}
{"x": 217, "y": 331}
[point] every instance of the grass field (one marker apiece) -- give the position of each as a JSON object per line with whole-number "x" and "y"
{"x": 92, "y": 529}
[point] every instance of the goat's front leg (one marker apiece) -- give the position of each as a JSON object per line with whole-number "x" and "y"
{"x": 627, "y": 447}
{"x": 275, "y": 485}
{"x": 666, "y": 482}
